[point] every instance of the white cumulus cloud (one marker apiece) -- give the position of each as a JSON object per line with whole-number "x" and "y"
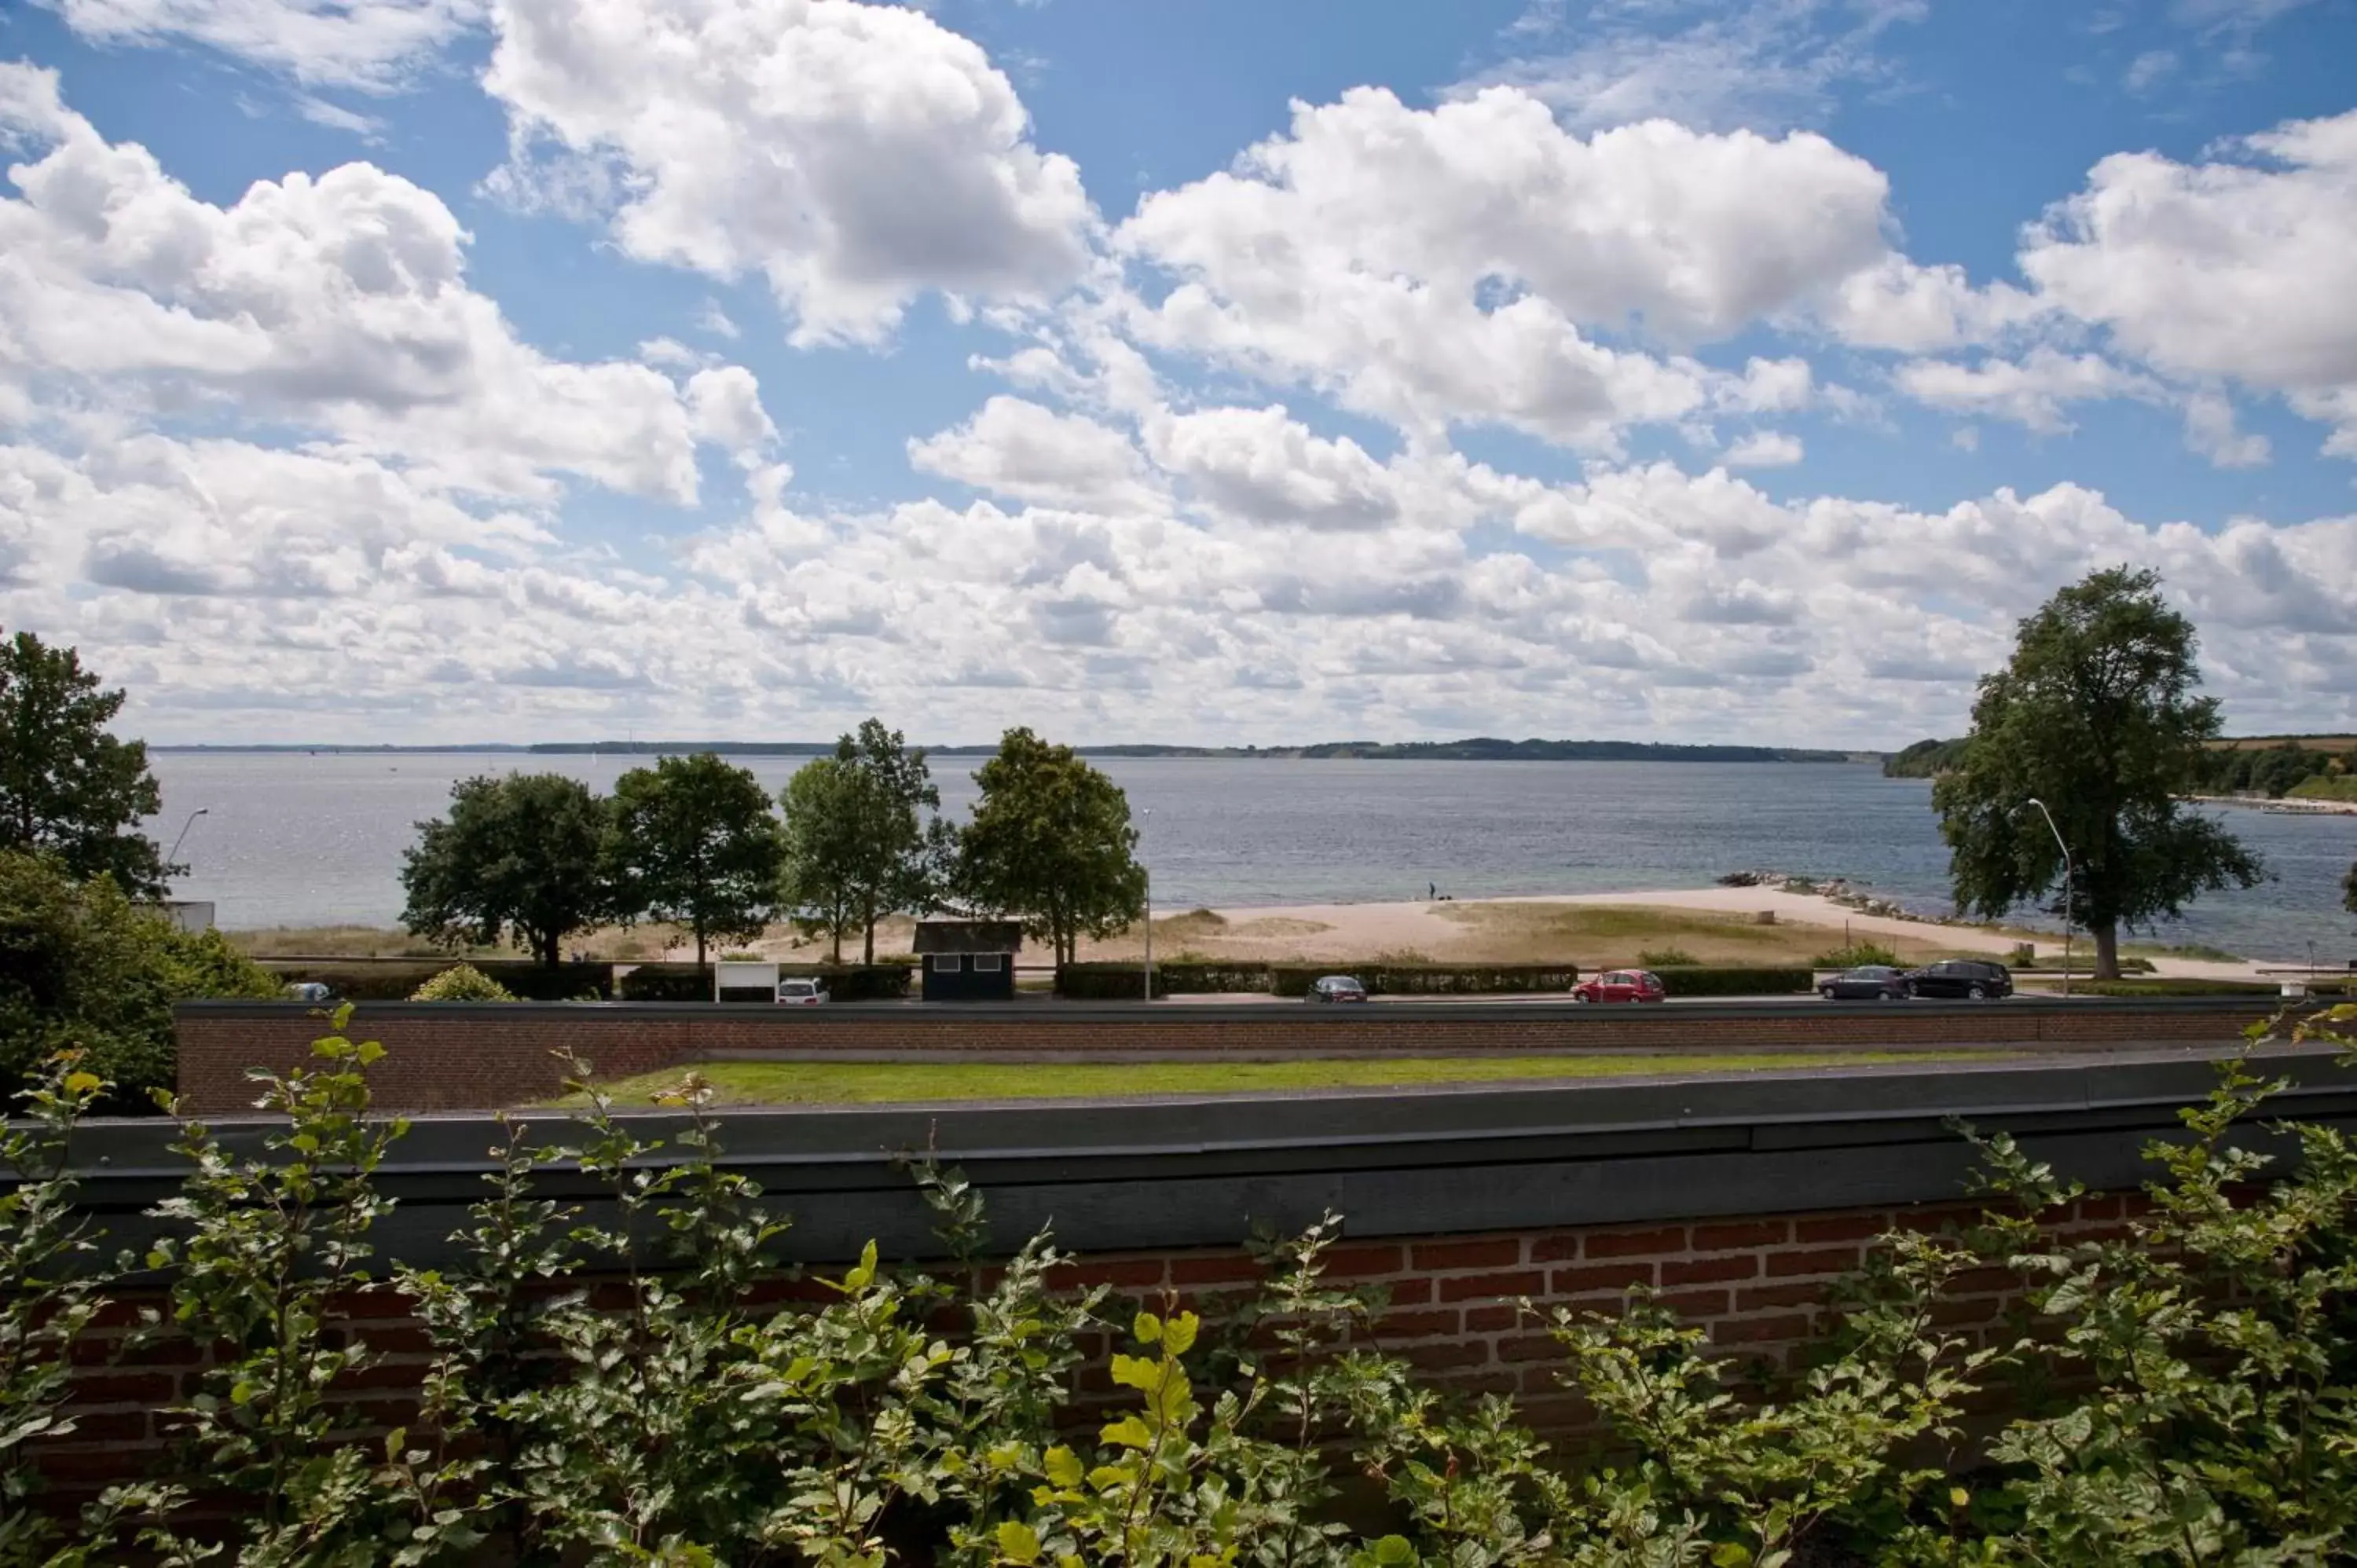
{"x": 854, "y": 155}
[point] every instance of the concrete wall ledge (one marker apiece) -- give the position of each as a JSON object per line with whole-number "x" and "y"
{"x": 1205, "y": 1170}
{"x": 854, "y": 1013}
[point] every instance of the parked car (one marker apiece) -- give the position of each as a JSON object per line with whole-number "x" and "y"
{"x": 1866, "y": 982}
{"x": 1973, "y": 979}
{"x": 1622, "y": 985}
{"x": 1338, "y": 988}
{"x": 309, "y": 991}
{"x": 800, "y": 992}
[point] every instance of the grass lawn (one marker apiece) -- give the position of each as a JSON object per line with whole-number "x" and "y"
{"x": 870, "y": 1083}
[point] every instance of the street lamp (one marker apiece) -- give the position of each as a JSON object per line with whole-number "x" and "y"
{"x": 2066, "y": 888}
{"x": 175, "y": 855}
{"x": 1147, "y": 873}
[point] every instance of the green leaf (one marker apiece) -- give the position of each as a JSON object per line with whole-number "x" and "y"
{"x": 1064, "y": 1468}
{"x": 1018, "y": 1542}
{"x": 1730, "y": 1554}
{"x": 1148, "y": 1328}
{"x": 1137, "y": 1372}
{"x": 1127, "y": 1432}
{"x": 1178, "y": 1334}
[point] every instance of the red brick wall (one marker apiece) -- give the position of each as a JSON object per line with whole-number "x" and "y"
{"x": 1759, "y": 1285}
{"x": 478, "y": 1058}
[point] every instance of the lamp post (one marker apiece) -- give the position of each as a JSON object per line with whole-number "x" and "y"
{"x": 175, "y": 855}
{"x": 2066, "y": 888}
{"x": 1147, "y": 872}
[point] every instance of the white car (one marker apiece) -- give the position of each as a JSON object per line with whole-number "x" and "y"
{"x": 800, "y": 992}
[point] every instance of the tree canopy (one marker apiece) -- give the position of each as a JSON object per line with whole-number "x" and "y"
{"x": 519, "y": 858}
{"x": 693, "y": 841}
{"x": 1051, "y": 844}
{"x": 67, "y": 788}
{"x": 861, "y": 838}
{"x": 2096, "y": 716}
{"x": 84, "y": 968}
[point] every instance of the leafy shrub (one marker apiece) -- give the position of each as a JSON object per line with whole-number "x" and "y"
{"x": 664, "y": 983}
{"x": 2195, "y": 1405}
{"x": 741, "y": 955}
{"x": 397, "y": 980}
{"x": 462, "y": 983}
{"x": 1734, "y": 980}
{"x": 1667, "y": 958}
{"x": 1855, "y": 954}
{"x": 84, "y": 969}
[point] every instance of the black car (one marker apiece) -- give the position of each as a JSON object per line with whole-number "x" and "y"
{"x": 1866, "y": 982}
{"x": 1338, "y": 988}
{"x": 1973, "y": 979}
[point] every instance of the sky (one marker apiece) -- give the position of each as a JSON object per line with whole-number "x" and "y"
{"x": 444, "y": 371}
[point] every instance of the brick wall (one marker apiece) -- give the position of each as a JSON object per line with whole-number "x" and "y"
{"x": 454, "y": 1056}
{"x": 1758, "y": 1284}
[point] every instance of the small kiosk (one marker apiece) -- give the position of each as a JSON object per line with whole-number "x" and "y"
{"x": 968, "y": 961}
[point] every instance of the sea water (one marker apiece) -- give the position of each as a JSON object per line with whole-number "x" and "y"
{"x": 302, "y": 839}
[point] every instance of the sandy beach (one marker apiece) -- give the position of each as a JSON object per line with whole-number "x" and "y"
{"x": 1709, "y": 925}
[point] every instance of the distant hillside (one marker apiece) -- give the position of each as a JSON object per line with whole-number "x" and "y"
{"x": 1924, "y": 759}
{"x": 2269, "y": 764}
{"x": 1477, "y": 748}
{"x": 1486, "y": 748}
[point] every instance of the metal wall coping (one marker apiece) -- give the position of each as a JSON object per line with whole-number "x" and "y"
{"x": 1205, "y": 1170}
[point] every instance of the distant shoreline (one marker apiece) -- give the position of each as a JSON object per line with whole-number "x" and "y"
{"x": 2285, "y": 806}
{"x": 1473, "y": 750}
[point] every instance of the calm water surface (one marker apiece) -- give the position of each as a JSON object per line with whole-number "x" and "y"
{"x": 315, "y": 840}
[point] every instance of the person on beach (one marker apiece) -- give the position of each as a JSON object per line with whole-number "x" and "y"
{"x": 1432, "y": 891}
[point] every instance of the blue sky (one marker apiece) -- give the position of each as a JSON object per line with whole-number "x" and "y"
{"x": 525, "y": 369}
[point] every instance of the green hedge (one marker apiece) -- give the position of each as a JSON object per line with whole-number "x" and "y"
{"x": 1707, "y": 980}
{"x": 1126, "y": 981}
{"x": 2184, "y": 985}
{"x": 1430, "y": 979}
{"x": 395, "y": 980}
{"x": 857, "y": 983}
{"x": 693, "y": 983}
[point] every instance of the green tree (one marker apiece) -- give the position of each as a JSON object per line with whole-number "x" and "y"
{"x": 862, "y": 839}
{"x": 1051, "y": 844}
{"x": 693, "y": 841}
{"x": 84, "y": 968}
{"x": 2096, "y": 716}
{"x": 820, "y": 848}
{"x": 67, "y": 787}
{"x": 520, "y": 857}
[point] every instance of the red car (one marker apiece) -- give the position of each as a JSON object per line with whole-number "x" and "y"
{"x": 1621, "y": 985}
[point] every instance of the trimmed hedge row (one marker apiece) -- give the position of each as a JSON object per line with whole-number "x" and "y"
{"x": 395, "y": 980}
{"x": 1708, "y": 979}
{"x": 1126, "y": 981}
{"x": 693, "y": 983}
{"x": 1430, "y": 979}
{"x": 2184, "y": 985}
